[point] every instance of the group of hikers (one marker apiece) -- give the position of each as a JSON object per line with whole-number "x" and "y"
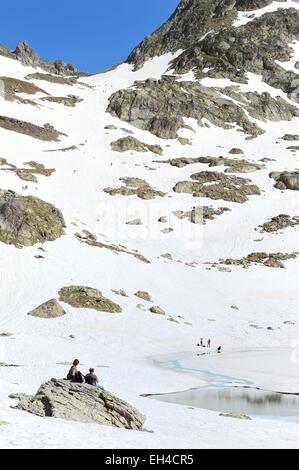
{"x": 208, "y": 345}
{"x": 74, "y": 375}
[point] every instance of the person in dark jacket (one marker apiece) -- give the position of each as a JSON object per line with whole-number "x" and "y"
{"x": 91, "y": 378}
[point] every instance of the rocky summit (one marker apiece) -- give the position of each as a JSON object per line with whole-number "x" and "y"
{"x": 191, "y": 21}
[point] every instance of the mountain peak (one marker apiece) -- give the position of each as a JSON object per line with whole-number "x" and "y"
{"x": 25, "y": 54}
{"x": 191, "y": 20}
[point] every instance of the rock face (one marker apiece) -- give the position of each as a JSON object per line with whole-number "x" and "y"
{"x": 27, "y": 220}
{"x": 83, "y": 403}
{"x": 189, "y": 23}
{"x": 204, "y": 30}
{"x": 87, "y": 297}
{"x": 213, "y": 47}
{"x": 160, "y": 108}
{"x": 50, "y": 309}
{"x": 254, "y": 47}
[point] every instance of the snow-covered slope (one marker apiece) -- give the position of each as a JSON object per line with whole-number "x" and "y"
{"x": 197, "y": 297}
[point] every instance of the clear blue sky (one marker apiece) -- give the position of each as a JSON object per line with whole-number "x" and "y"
{"x": 93, "y": 34}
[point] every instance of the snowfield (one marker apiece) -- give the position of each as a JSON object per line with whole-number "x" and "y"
{"x": 245, "y": 17}
{"x": 119, "y": 346}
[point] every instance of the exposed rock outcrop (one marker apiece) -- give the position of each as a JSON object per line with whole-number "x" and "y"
{"x": 253, "y": 47}
{"x": 135, "y": 187}
{"x": 46, "y": 133}
{"x": 49, "y": 309}
{"x": 143, "y": 295}
{"x": 188, "y": 24}
{"x": 27, "y": 174}
{"x": 157, "y": 310}
{"x": 91, "y": 240}
{"x": 160, "y": 108}
{"x": 290, "y": 137}
{"x": 134, "y": 222}
{"x": 126, "y": 144}
{"x": 235, "y": 416}
{"x": 280, "y": 222}
{"x": 200, "y": 214}
{"x": 47, "y": 77}
{"x": 286, "y": 180}
{"x": 232, "y": 166}
{"x": 87, "y": 297}
{"x": 271, "y": 260}
{"x": 62, "y": 399}
{"x": 27, "y": 220}
{"x": 13, "y": 87}
{"x": 69, "y": 101}
{"x": 218, "y": 186}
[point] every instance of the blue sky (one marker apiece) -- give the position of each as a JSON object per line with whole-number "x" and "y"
{"x": 93, "y": 34}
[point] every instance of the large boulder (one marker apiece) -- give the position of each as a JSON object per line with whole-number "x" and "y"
{"x": 80, "y": 402}
{"x": 87, "y": 297}
{"x": 129, "y": 143}
{"x": 27, "y": 220}
{"x": 49, "y": 309}
{"x": 286, "y": 180}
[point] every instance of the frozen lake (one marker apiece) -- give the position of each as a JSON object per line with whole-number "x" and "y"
{"x": 261, "y": 383}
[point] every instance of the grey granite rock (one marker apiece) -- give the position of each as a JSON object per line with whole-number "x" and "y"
{"x": 80, "y": 402}
{"x": 49, "y": 309}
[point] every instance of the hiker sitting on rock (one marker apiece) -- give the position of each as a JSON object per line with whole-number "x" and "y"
{"x": 92, "y": 379}
{"x": 74, "y": 375}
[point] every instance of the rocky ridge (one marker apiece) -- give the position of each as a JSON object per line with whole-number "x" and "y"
{"x": 28, "y": 57}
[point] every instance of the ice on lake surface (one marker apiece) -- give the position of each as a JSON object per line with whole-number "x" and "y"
{"x": 257, "y": 382}
{"x": 249, "y": 401}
